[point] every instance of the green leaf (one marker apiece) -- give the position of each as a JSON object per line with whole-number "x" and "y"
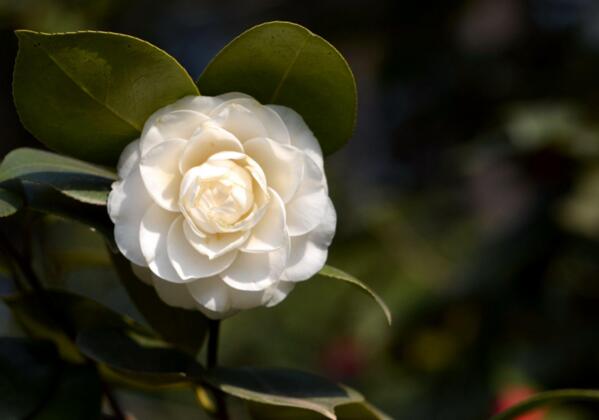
{"x": 283, "y": 387}
{"x": 335, "y": 273}
{"x": 10, "y": 202}
{"x": 121, "y": 352}
{"x": 186, "y": 329}
{"x": 47, "y": 200}
{"x": 76, "y": 395}
{"x": 58, "y": 316}
{"x": 284, "y": 63}
{"x": 546, "y": 398}
{"x": 74, "y": 178}
{"x": 352, "y": 411}
{"x": 27, "y": 371}
{"x": 88, "y": 94}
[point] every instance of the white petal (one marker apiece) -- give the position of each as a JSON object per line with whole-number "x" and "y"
{"x": 166, "y": 125}
{"x": 255, "y": 271}
{"x": 232, "y": 95}
{"x": 247, "y": 118}
{"x": 239, "y": 121}
{"x": 305, "y": 260}
{"x": 142, "y": 273}
{"x": 244, "y": 299}
{"x": 309, "y": 252}
{"x": 271, "y": 231}
{"x": 282, "y": 164}
{"x": 207, "y": 141}
{"x": 129, "y": 159}
{"x": 278, "y": 292}
{"x": 214, "y": 245}
{"x": 160, "y": 172}
{"x": 300, "y": 134}
{"x": 307, "y": 208}
{"x": 174, "y": 294}
{"x": 201, "y": 104}
{"x": 211, "y": 293}
{"x": 187, "y": 261}
{"x": 153, "y": 234}
{"x": 323, "y": 234}
{"x": 127, "y": 203}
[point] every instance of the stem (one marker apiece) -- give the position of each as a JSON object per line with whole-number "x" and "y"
{"x": 213, "y": 333}
{"x": 36, "y": 285}
{"x": 211, "y": 362}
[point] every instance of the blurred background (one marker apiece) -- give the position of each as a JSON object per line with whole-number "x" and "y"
{"x": 468, "y": 198}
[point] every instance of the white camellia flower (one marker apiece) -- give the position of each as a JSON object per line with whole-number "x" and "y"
{"x": 222, "y": 204}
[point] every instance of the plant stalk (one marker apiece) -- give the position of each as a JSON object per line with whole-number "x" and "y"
{"x": 211, "y": 362}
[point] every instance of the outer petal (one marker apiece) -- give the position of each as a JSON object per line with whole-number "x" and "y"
{"x": 282, "y": 164}
{"x": 166, "y": 125}
{"x": 174, "y": 294}
{"x": 309, "y": 252}
{"x": 306, "y": 210}
{"x": 233, "y": 95}
{"x": 188, "y": 262}
{"x": 255, "y": 272}
{"x": 244, "y": 299}
{"x": 211, "y": 293}
{"x": 205, "y": 142}
{"x": 300, "y": 134}
{"x": 127, "y": 203}
{"x": 247, "y": 118}
{"x": 160, "y": 171}
{"x": 271, "y": 231}
{"x": 201, "y": 104}
{"x": 278, "y": 292}
{"x": 129, "y": 159}
{"x": 153, "y": 235}
{"x": 214, "y": 245}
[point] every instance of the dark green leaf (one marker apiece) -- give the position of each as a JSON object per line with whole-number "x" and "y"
{"x": 284, "y": 63}
{"x": 58, "y": 316}
{"x": 76, "y": 395}
{"x": 74, "y": 178}
{"x": 352, "y": 411}
{"x": 283, "y": 387}
{"x": 184, "y": 328}
{"x": 88, "y": 94}
{"x": 547, "y": 398}
{"x": 121, "y": 352}
{"x": 28, "y": 369}
{"x": 47, "y": 200}
{"x": 335, "y": 273}
{"x": 10, "y": 202}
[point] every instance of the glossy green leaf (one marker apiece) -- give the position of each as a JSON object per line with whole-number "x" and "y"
{"x": 48, "y": 200}
{"x": 284, "y": 63}
{"x": 88, "y": 94}
{"x": 74, "y": 178}
{"x": 548, "y": 398}
{"x": 10, "y": 202}
{"x": 120, "y": 351}
{"x": 335, "y": 273}
{"x": 28, "y": 369}
{"x": 59, "y": 316}
{"x": 184, "y": 328}
{"x": 77, "y": 394}
{"x": 352, "y": 411}
{"x": 283, "y": 387}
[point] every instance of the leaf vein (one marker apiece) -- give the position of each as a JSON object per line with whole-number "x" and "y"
{"x": 88, "y": 93}
{"x": 277, "y": 90}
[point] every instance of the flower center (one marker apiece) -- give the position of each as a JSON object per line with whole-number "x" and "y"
{"x": 216, "y": 195}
